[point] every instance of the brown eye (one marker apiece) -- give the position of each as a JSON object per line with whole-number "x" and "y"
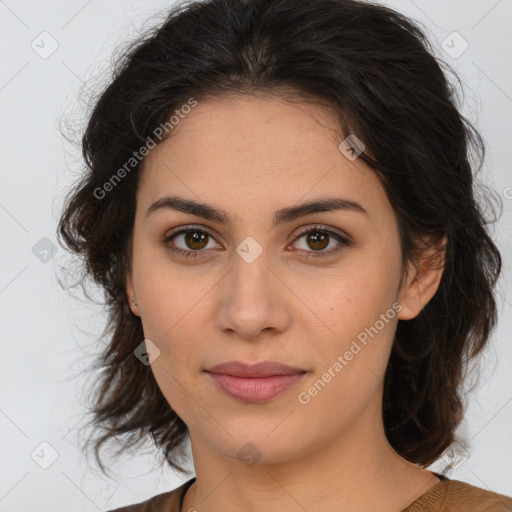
{"x": 317, "y": 239}
{"x": 192, "y": 242}
{"x": 188, "y": 242}
{"x": 195, "y": 239}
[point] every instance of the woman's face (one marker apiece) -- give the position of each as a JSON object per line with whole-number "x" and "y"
{"x": 248, "y": 292}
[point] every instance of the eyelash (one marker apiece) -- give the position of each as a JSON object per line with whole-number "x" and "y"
{"x": 344, "y": 242}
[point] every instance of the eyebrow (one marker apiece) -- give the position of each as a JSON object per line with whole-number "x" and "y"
{"x": 281, "y": 216}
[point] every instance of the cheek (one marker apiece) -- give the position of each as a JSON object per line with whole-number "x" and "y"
{"x": 353, "y": 300}
{"x": 360, "y": 308}
{"x": 173, "y": 299}
{"x": 177, "y": 370}
{"x": 351, "y": 372}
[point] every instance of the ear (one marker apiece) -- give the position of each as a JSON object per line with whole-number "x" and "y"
{"x": 424, "y": 278}
{"x": 130, "y": 295}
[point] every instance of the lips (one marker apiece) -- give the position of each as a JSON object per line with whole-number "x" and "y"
{"x": 254, "y": 383}
{"x": 264, "y": 369}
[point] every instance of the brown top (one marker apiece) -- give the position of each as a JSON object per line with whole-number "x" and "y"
{"x": 445, "y": 496}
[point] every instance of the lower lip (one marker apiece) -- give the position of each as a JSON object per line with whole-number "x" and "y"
{"x": 255, "y": 389}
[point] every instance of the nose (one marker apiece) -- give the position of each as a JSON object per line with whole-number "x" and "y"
{"x": 251, "y": 299}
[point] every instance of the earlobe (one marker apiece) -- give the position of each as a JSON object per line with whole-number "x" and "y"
{"x": 424, "y": 282}
{"x": 130, "y": 295}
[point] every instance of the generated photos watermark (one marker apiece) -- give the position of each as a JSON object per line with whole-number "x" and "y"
{"x": 137, "y": 156}
{"x": 305, "y": 397}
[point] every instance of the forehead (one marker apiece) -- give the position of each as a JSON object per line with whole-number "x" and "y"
{"x": 251, "y": 152}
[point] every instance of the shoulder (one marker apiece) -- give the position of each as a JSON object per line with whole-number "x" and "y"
{"x": 167, "y": 501}
{"x": 463, "y": 496}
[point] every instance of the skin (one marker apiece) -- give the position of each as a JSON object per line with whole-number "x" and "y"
{"x": 250, "y": 156}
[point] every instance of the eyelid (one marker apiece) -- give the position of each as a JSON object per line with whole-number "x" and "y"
{"x": 323, "y": 228}
{"x": 187, "y": 228}
{"x": 343, "y": 239}
{"x": 302, "y": 230}
{"x": 190, "y": 227}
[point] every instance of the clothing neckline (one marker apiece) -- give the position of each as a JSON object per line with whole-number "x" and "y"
{"x": 186, "y": 486}
{"x": 430, "y": 495}
{"x": 433, "y": 489}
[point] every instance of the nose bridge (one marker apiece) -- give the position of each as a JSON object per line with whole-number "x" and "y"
{"x": 250, "y": 299}
{"x": 250, "y": 277}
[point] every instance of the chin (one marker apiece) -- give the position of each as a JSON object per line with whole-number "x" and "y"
{"x": 267, "y": 442}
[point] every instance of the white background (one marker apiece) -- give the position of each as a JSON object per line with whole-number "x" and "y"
{"x": 43, "y": 347}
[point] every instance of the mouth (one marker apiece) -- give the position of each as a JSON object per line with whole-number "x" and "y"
{"x": 255, "y": 383}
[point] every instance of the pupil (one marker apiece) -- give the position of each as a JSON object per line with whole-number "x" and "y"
{"x": 318, "y": 238}
{"x": 195, "y": 238}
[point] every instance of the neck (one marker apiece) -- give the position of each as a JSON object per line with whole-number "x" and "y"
{"x": 356, "y": 470}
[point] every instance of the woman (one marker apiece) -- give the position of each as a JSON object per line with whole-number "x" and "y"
{"x": 279, "y": 204}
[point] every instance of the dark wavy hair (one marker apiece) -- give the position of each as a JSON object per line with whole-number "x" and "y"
{"x": 376, "y": 70}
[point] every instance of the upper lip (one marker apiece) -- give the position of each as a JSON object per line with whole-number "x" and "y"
{"x": 263, "y": 369}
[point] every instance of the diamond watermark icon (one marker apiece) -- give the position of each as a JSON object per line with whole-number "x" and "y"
{"x": 454, "y": 45}
{"x": 249, "y": 454}
{"x": 44, "y": 455}
{"x": 351, "y": 147}
{"x": 146, "y": 352}
{"x": 44, "y": 249}
{"x": 454, "y": 456}
{"x": 249, "y": 249}
{"x": 44, "y": 45}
